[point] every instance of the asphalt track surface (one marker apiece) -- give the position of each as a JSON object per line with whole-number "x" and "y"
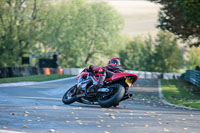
{"x": 38, "y": 109}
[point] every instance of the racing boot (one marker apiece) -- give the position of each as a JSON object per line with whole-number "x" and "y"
{"x": 98, "y": 84}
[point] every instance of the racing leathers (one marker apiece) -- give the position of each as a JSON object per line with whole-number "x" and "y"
{"x": 105, "y": 72}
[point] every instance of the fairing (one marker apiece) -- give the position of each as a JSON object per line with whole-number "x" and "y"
{"x": 117, "y": 76}
{"x": 81, "y": 75}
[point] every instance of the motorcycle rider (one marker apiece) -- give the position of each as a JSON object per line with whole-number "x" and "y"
{"x": 105, "y": 72}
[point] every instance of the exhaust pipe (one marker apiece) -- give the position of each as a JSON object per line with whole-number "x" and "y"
{"x": 127, "y": 96}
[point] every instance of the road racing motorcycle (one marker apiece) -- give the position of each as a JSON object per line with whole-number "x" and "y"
{"x": 115, "y": 89}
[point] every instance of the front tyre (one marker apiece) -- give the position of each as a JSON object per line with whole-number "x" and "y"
{"x": 112, "y": 99}
{"x": 69, "y": 96}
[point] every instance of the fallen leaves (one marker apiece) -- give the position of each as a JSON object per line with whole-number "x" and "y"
{"x": 131, "y": 114}
{"x": 98, "y": 126}
{"x": 52, "y": 130}
{"x": 11, "y": 113}
{"x": 25, "y": 126}
{"x": 35, "y": 107}
{"x": 99, "y": 116}
{"x": 166, "y": 130}
{"x": 79, "y": 122}
{"x": 26, "y": 112}
{"x": 4, "y": 127}
{"x": 55, "y": 107}
{"x": 183, "y": 119}
{"x": 146, "y": 113}
{"x": 25, "y": 115}
{"x": 146, "y": 125}
{"x": 76, "y": 118}
{"x": 38, "y": 119}
{"x": 77, "y": 108}
{"x": 108, "y": 126}
{"x": 126, "y": 123}
{"x": 110, "y": 115}
{"x": 105, "y": 120}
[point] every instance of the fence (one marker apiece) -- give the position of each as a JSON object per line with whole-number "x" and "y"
{"x": 22, "y": 71}
{"x": 192, "y": 76}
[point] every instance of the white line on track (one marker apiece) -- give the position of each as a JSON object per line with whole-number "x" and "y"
{"x": 33, "y": 83}
{"x": 7, "y": 131}
{"x": 38, "y": 98}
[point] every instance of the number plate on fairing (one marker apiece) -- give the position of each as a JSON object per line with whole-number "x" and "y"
{"x": 128, "y": 81}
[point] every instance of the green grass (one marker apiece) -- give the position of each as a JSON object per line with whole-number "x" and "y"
{"x": 37, "y": 78}
{"x": 181, "y": 93}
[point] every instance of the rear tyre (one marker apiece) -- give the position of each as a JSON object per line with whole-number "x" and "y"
{"x": 69, "y": 97}
{"x": 112, "y": 99}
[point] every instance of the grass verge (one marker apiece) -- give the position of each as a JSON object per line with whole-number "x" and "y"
{"x": 181, "y": 93}
{"x": 37, "y": 78}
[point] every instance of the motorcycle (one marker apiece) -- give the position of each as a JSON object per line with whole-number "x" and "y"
{"x": 114, "y": 90}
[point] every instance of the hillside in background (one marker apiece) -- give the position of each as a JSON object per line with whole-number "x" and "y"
{"x": 140, "y": 16}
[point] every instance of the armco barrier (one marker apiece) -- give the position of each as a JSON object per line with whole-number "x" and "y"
{"x": 192, "y": 76}
{"x": 154, "y": 75}
{"x": 141, "y": 74}
{"x": 72, "y": 71}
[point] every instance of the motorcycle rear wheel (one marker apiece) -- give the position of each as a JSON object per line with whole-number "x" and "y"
{"x": 114, "y": 99}
{"x": 69, "y": 96}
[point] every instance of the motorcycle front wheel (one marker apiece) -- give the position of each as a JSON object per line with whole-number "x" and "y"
{"x": 69, "y": 97}
{"x": 112, "y": 99}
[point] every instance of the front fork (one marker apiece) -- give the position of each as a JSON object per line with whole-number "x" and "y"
{"x": 82, "y": 85}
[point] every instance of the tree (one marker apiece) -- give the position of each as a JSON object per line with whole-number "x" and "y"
{"x": 161, "y": 54}
{"x": 167, "y": 56}
{"x": 138, "y": 54}
{"x": 181, "y": 17}
{"x": 19, "y": 28}
{"x": 194, "y": 57}
{"x": 79, "y": 30}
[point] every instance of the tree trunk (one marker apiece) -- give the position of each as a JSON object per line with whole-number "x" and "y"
{"x": 88, "y": 57}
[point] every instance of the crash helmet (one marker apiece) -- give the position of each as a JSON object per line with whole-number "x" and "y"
{"x": 114, "y": 60}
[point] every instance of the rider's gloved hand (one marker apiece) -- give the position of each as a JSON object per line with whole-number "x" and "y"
{"x": 87, "y": 69}
{"x": 90, "y": 68}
